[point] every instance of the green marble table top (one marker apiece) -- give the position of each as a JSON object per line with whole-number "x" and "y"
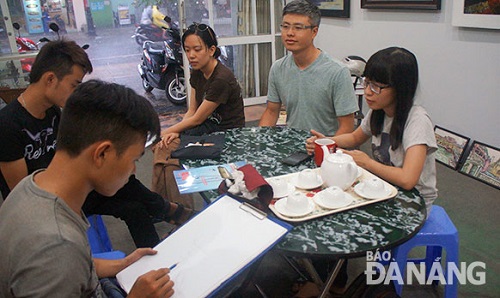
{"x": 350, "y": 233}
{"x": 262, "y": 147}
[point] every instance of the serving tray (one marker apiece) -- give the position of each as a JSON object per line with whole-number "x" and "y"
{"x": 319, "y": 211}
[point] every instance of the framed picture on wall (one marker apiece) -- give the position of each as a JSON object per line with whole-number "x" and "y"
{"x": 476, "y": 13}
{"x": 334, "y": 8}
{"x": 409, "y": 4}
{"x": 483, "y": 163}
{"x": 451, "y": 147}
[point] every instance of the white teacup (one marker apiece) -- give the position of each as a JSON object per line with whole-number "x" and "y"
{"x": 307, "y": 177}
{"x": 280, "y": 187}
{"x": 297, "y": 202}
{"x": 373, "y": 187}
{"x": 333, "y": 194}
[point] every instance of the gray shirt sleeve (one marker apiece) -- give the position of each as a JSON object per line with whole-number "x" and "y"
{"x": 55, "y": 270}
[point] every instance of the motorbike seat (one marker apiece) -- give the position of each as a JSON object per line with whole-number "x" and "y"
{"x": 155, "y": 47}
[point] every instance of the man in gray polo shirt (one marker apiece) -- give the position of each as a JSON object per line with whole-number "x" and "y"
{"x": 315, "y": 89}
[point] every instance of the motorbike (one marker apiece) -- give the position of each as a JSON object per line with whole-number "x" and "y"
{"x": 161, "y": 66}
{"x": 24, "y": 45}
{"x": 144, "y": 32}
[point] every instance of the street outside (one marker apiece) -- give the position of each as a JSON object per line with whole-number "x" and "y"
{"x": 115, "y": 56}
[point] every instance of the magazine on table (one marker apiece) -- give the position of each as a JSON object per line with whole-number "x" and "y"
{"x": 204, "y": 178}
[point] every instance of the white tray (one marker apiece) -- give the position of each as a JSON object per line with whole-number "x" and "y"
{"x": 319, "y": 211}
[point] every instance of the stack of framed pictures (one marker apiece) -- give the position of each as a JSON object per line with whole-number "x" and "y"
{"x": 479, "y": 161}
{"x": 451, "y": 147}
{"x": 483, "y": 163}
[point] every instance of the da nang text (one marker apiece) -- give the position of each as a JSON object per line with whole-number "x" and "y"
{"x": 376, "y": 273}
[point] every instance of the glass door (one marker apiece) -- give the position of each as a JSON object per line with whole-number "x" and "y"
{"x": 247, "y": 32}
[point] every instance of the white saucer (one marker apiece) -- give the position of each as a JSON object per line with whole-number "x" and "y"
{"x": 301, "y": 185}
{"x": 280, "y": 206}
{"x": 290, "y": 190}
{"x": 319, "y": 199}
{"x": 358, "y": 189}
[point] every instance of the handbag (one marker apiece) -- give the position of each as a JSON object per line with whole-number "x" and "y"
{"x": 199, "y": 147}
{"x": 163, "y": 180}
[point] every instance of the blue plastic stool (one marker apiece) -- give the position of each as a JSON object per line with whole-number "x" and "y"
{"x": 99, "y": 241}
{"x": 437, "y": 233}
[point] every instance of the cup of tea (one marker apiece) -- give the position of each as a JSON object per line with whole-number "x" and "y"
{"x": 318, "y": 150}
{"x": 297, "y": 202}
{"x": 307, "y": 177}
{"x": 333, "y": 194}
{"x": 280, "y": 187}
{"x": 374, "y": 187}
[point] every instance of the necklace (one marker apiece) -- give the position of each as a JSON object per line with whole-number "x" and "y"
{"x": 22, "y": 101}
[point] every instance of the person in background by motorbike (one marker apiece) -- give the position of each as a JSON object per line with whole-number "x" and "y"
{"x": 45, "y": 18}
{"x": 147, "y": 15}
{"x": 152, "y": 15}
{"x": 152, "y": 26}
{"x": 216, "y": 102}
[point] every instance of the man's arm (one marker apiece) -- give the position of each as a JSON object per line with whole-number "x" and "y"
{"x": 271, "y": 114}
{"x": 346, "y": 124}
{"x": 14, "y": 171}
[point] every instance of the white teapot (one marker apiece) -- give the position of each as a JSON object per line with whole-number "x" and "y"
{"x": 338, "y": 169}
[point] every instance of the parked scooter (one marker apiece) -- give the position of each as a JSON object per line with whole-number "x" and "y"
{"x": 24, "y": 45}
{"x": 149, "y": 32}
{"x": 161, "y": 66}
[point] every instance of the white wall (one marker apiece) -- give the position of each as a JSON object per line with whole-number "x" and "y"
{"x": 459, "y": 67}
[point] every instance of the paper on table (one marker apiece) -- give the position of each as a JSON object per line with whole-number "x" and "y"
{"x": 209, "y": 249}
{"x": 202, "y": 178}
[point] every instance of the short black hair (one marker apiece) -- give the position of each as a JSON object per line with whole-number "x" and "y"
{"x": 98, "y": 111}
{"x": 59, "y": 56}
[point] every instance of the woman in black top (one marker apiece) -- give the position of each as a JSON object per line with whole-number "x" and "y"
{"x": 216, "y": 102}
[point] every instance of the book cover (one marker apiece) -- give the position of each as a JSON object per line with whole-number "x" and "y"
{"x": 203, "y": 178}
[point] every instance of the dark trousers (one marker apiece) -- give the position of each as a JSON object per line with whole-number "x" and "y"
{"x": 208, "y": 126}
{"x": 135, "y": 204}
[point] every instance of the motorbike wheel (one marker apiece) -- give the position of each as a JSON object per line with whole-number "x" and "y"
{"x": 139, "y": 37}
{"x": 145, "y": 84}
{"x": 176, "y": 89}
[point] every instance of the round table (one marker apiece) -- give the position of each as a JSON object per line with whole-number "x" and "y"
{"x": 379, "y": 226}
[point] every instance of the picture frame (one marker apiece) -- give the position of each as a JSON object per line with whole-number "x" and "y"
{"x": 334, "y": 8}
{"x": 466, "y": 14}
{"x": 451, "y": 147}
{"x": 483, "y": 163}
{"x": 405, "y": 4}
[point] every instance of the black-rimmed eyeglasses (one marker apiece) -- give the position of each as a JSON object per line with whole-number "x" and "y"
{"x": 376, "y": 88}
